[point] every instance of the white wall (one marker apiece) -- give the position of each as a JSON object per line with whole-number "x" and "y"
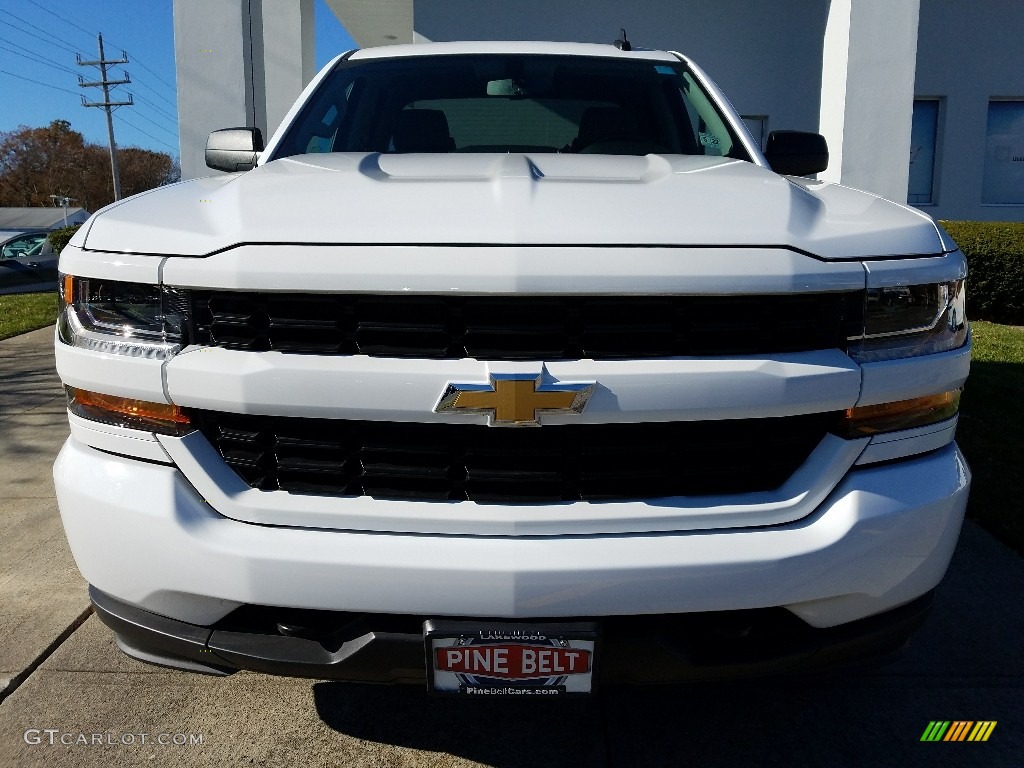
{"x": 968, "y": 53}
{"x": 239, "y": 63}
{"x": 288, "y": 47}
{"x": 211, "y": 55}
{"x": 867, "y": 93}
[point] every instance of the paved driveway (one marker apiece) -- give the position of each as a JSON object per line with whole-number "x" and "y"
{"x": 65, "y": 675}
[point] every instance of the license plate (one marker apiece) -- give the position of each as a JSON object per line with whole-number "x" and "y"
{"x": 509, "y": 659}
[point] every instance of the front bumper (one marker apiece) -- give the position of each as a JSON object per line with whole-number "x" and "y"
{"x": 142, "y": 534}
{"x": 390, "y": 649}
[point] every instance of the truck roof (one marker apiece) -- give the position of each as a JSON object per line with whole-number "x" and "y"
{"x": 528, "y": 47}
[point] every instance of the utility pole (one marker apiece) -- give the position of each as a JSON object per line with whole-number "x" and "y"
{"x": 62, "y": 201}
{"x": 107, "y": 104}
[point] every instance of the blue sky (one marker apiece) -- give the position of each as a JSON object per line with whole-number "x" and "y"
{"x": 39, "y": 39}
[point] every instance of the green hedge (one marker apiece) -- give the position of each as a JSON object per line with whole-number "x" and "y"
{"x": 59, "y": 237}
{"x": 995, "y": 263}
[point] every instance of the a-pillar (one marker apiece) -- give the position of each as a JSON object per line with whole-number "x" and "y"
{"x": 867, "y": 93}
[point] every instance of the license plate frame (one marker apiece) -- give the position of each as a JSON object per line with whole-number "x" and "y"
{"x": 504, "y": 658}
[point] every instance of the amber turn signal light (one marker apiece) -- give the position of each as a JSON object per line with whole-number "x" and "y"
{"x": 68, "y": 294}
{"x": 903, "y": 414}
{"x": 119, "y": 411}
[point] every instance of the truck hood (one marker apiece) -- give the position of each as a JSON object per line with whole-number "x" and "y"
{"x": 512, "y": 199}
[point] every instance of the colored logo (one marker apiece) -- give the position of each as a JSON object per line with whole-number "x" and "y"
{"x": 515, "y": 400}
{"x": 509, "y": 662}
{"x": 958, "y": 730}
{"x": 512, "y": 661}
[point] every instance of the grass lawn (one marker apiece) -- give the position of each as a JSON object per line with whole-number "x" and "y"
{"x": 991, "y": 417}
{"x": 26, "y": 311}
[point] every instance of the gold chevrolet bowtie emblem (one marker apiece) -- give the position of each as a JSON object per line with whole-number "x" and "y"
{"x": 515, "y": 401}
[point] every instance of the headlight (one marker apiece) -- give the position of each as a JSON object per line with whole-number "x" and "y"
{"x": 905, "y": 321}
{"x": 136, "y": 319}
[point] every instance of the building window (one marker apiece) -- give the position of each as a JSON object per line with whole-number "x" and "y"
{"x": 1003, "y": 183}
{"x": 758, "y": 127}
{"x": 924, "y": 134}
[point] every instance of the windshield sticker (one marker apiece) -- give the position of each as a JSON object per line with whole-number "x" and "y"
{"x": 709, "y": 140}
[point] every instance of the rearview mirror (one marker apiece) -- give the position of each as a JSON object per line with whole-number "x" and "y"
{"x": 796, "y": 153}
{"x": 233, "y": 149}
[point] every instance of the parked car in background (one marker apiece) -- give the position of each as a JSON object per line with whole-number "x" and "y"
{"x": 27, "y": 263}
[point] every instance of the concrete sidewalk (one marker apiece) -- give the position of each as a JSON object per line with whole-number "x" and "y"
{"x": 42, "y": 594}
{"x": 967, "y": 663}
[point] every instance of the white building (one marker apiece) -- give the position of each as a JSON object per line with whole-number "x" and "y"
{"x": 937, "y": 82}
{"x": 40, "y": 217}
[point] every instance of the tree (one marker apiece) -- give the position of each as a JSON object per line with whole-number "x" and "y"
{"x": 56, "y": 160}
{"x": 38, "y": 162}
{"x": 143, "y": 169}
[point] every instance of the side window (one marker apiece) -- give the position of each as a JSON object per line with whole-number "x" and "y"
{"x": 712, "y": 134}
{"x": 924, "y": 133}
{"x": 758, "y": 127}
{"x": 323, "y": 142}
{"x": 29, "y": 245}
{"x": 1003, "y": 180}
{"x": 325, "y": 122}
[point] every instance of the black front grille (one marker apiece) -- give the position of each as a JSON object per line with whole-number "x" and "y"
{"x": 525, "y": 327}
{"x": 457, "y": 462}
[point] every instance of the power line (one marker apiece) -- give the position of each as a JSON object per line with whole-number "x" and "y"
{"x": 23, "y": 51}
{"x": 158, "y": 112}
{"x": 34, "y": 61}
{"x": 59, "y": 44}
{"x": 32, "y": 25}
{"x": 155, "y": 93}
{"x": 41, "y": 60}
{"x": 161, "y": 127}
{"x": 47, "y": 85}
{"x": 154, "y": 74}
{"x": 119, "y": 117}
{"x": 62, "y": 18}
{"x": 34, "y": 58}
{"x": 135, "y": 58}
{"x": 154, "y": 138}
{"x": 43, "y": 39}
{"x": 138, "y": 61}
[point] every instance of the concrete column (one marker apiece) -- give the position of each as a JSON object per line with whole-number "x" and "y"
{"x": 867, "y": 94}
{"x": 212, "y": 63}
{"x": 238, "y": 63}
{"x": 288, "y": 56}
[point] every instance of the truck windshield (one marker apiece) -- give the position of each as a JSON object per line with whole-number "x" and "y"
{"x": 511, "y": 103}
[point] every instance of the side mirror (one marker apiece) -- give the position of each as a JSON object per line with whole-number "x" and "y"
{"x": 233, "y": 149}
{"x": 796, "y": 153}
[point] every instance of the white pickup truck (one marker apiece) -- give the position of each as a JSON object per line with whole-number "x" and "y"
{"x": 511, "y": 368}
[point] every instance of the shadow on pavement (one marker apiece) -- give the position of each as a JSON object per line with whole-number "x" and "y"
{"x": 966, "y": 663}
{"x": 830, "y": 722}
{"x": 498, "y": 733}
